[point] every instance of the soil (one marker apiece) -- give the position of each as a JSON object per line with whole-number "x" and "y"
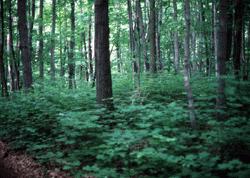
{"x": 21, "y": 165}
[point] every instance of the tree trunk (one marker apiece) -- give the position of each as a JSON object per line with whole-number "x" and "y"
{"x": 72, "y": 48}
{"x": 91, "y": 75}
{"x": 176, "y": 42}
{"x": 52, "y": 52}
{"x": 32, "y": 18}
{"x": 3, "y": 78}
{"x": 24, "y": 44}
{"x": 85, "y": 57}
{"x": 152, "y": 34}
{"x": 215, "y": 38}
{"x": 238, "y": 19}
{"x": 40, "y": 47}
{"x": 143, "y": 37}
{"x": 103, "y": 71}
{"x": 187, "y": 64}
{"x": 205, "y": 38}
{"x": 13, "y": 60}
{"x": 158, "y": 35}
{"x": 222, "y": 54}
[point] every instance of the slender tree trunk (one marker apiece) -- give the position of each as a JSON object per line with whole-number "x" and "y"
{"x": 143, "y": 37}
{"x": 238, "y": 18}
{"x": 205, "y": 38}
{"x": 3, "y": 78}
{"x": 91, "y": 71}
{"x": 187, "y": 64}
{"x": 159, "y": 15}
{"x": 215, "y": 39}
{"x": 72, "y": 48}
{"x": 222, "y": 53}
{"x": 229, "y": 28}
{"x": 176, "y": 42}
{"x": 33, "y": 10}
{"x": 40, "y": 47}
{"x": 52, "y": 52}
{"x": 85, "y": 57}
{"x": 103, "y": 71}
{"x": 13, "y": 60}
{"x": 24, "y": 44}
{"x": 152, "y": 34}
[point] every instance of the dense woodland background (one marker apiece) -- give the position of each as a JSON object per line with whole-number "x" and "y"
{"x": 135, "y": 88}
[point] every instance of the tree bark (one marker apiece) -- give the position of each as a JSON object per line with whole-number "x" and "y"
{"x": 4, "y": 90}
{"x": 24, "y": 44}
{"x": 103, "y": 71}
{"x": 91, "y": 71}
{"x": 215, "y": 38}
{"x": 222, "y": 54}
{"x": 152, "y": 34}
{"x": 176, "y": 42}
{"x": 72, "y": 48}
{"x": 13, "y": 60}
{"x": 238, "y": 19}
{"x": 40, "y": 45}
{"x": 187, "y": 64}
{"x": 33, "y": 11}
{"x": 52, "y": 52}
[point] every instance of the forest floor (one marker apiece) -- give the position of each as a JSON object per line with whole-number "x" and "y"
{"x": 53, "y": 131}
{"x": 21, "y": 165}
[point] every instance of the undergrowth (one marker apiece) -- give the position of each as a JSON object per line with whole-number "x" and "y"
{"x": 147, "y": 135}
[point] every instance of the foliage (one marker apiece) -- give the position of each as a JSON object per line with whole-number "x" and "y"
{"x": 147, "y": 135}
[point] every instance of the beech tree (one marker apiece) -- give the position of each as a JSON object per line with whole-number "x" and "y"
{"x": 102, "y": 57}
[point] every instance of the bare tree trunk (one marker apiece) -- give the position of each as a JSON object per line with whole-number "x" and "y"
{"x": 176, "y": 42}
{"x": 238, "y": 18}
{"x": 186, "y": 66}
{"x": 52, "y": 52}
{"x": 72, "y": 48}
{"x": 24, "y": 44}
{"x": 215, "y": 39}
{"x": 40, "y": 48}
{"x": 103, "y": 71}
{"x": 85, "y": 57}
{"x": 159, "y": 15}
{"x": 152, "y": 34}
{"x": 222, "y": 54}
{"x": 13, "y": 60}
{"x": 91, "y": 71}
{"x": 2, "y": 65}
{"x": 33, "y": 10}
{"x": 143, "y": 37}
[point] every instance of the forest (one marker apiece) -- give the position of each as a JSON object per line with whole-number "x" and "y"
{"x": 124, "y": 88}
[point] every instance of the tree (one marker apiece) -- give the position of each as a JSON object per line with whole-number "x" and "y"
{"x": 52, "y": 52}
{"x": 14, "y": 70}
{"x": 40, "y": 45}
{"x": 24, "y": 44}
{"x": 102, "y": 62}
{"x": 176, "y": 42}
{"x": 2, "y": 65}
{"x": 152, "y": 34}
{"x": 187, "y": 64}
{"x": 238, "y": 29}
{"x": 222, "y": 52}
{"x": 72, "y": 47}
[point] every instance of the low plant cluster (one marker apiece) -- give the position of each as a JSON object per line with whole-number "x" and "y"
{"x": 147, "y": 135}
